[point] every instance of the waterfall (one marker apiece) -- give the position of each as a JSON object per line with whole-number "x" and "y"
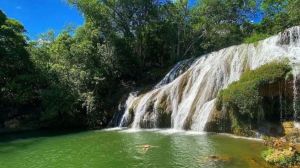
{"x": 125, "y": 119}
{"x": 202, "y": 118}
{"x": 292, "y": 38}
{"x": 187, "y": 99}
{"x": 285, "y": 98}
{"x": 177, "y": 70}
{"x": 295, "y": 95}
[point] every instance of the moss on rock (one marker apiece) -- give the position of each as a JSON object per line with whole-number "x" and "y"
{"x": 243, "y": 101}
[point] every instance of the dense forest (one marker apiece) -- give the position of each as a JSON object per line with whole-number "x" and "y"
{"x": 77, "y": 78}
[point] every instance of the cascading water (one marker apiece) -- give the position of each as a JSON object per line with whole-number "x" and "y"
{"x": 291, "y": 38}
{"x": 177, "y": 70}
{"x": 187, "y": 101}
{"x": 125, "y": 119}
{"x": 295, "y": 92}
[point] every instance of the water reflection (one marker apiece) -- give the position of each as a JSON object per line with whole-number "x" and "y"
{"x": 123, "y": 148}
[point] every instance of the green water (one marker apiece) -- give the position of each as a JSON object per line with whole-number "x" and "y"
{"x": 119, "y": 149}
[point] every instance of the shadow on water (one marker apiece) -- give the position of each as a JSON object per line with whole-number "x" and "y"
{"x": 21, "y": 140}
{"x": 29, "y": 134}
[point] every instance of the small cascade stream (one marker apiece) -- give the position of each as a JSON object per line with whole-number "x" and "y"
{"x": 125, "y": 119}
{"x": 177, "y": 70}
{"x": 186, "y": 97}
{"x": 293, "y": 36}
{"x": 295, "y": 92}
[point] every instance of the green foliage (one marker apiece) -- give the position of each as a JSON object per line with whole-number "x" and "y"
{"x": 242, "y": 98}
{"x": 15, "y": 65}
{"x": 267, "y": 152}
{"x": 293, "y": 11}
{"x": 75, "y": 79}
{"x": 20, "y": 82}
{"x": 281, "y": 157}
{"x": 270, "y": 72}
{"x": 66, "y": 78}
{"x": 273, "y": 7}
{"x": 57, "y": 102}
{"x": 255, "y": 38}
{"x": 79, "y": 71}
{"x": 279, "y": 15}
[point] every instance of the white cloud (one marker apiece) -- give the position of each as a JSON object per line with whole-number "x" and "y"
{"x": 19, "y": 7}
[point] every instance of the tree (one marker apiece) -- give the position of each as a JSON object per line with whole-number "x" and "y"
{"x": 78, "y": 78}
{"x": 18, "y": 81}
{"x": 279, "y": 15}
{"x": 15, "y": 64}
{"x": 222, "y": 22}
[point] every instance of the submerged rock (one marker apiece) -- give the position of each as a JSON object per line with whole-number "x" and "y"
{"x": 220, "y": 158}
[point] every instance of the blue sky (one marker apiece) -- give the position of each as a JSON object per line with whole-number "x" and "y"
{"x": 39, "y": 16}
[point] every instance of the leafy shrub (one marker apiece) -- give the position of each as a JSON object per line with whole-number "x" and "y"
{"x": 281, "y": 158}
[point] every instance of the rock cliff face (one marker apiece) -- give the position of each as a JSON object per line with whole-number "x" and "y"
{"x": 277, "y": 105}
{"x": 188, "y": 100}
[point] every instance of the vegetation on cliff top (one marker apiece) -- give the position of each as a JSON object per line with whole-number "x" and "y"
{"x": 243, "y": 100}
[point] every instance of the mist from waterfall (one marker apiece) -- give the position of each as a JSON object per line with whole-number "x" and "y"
{"x": 188, "y": 99}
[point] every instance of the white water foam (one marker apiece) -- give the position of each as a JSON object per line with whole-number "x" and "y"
{"x": 189, "y": 98}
